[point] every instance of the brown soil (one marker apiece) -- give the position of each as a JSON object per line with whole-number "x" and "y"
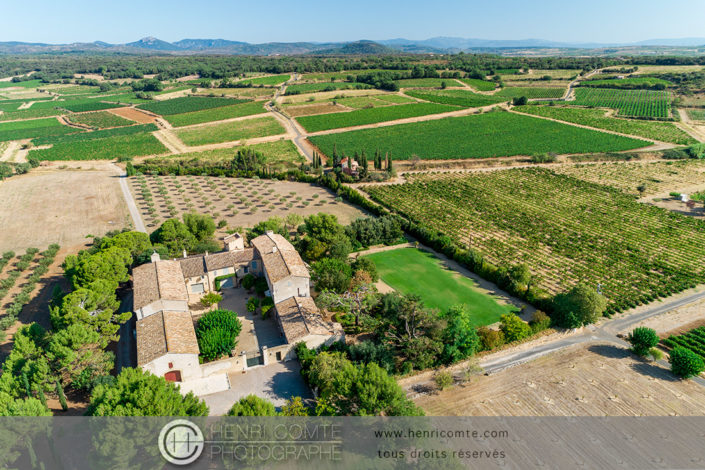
{"x": 587, "y": 380}
{"x": 54, "y": 205}
{"x": 310, "y": 110}
{"x": 276, "y": 199}
{"x": 133, "y": 114}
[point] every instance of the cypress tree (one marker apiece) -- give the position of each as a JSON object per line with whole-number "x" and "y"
{"x": 62, "y": 397}
{"x": 42, "y": 397}
{"x": 25, "y": 382}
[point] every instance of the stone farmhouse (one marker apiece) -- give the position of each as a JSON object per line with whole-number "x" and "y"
{"x": 163, "y": 290}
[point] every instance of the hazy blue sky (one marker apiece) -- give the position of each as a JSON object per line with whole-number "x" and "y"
{"x": 122, "y": 21}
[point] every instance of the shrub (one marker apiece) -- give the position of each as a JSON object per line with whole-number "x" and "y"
{"x": 490, "y": 339}
{"x": 210, "y": 299}
{"x": 217, "y": 332}
{"x": 685, "y": 363}
{"x": 252, "y": 304}
{"x": 514, "y": 328}
{"x": 443, "y": 380}
{"x": 539, "y": 321}
{"x": 656, "y": 354}
{"x": 252, "y": 405}
{"x": 642, "y": 340}
{"x": 248, "y": 282}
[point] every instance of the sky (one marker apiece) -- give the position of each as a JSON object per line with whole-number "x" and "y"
{"x": 602, "y": 21}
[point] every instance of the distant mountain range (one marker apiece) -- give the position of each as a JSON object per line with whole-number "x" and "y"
{"x": 152, "y": 45}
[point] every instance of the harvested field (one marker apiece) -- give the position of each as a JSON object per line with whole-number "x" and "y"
{"x": 594, "y": 380}
{"x": 133, "y": 114}
{"x": 310, "y": 110}
{"x": 238, "y": 201}
{"x": 35, "y": 206}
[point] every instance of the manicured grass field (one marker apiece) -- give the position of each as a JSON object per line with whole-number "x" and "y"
{"x": 103, "y": 149}
{"x": 231, "y": 131}
{"x": 413, "y": 271}
{"x": 566, "y": 230}
{"x": 35, "y": 128}
{"x": 464, "y": 98}
{"x": 492, "y": 134}
{"x": 100, "y": 119}
{"x": 481, "y": 85}
{"x": 246, "y": 108}
{"x": 324, "y": 86}
{"x": 322, "y": 122}
{"x": 639, "y": 103}
{"x": 663, "y": 131}
{"x": 186, "y": 104}
{"x": 531, "y": 92}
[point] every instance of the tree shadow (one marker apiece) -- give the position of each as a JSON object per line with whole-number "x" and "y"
{"x": 609, "y": 350}
{"x": 652, "y": 369}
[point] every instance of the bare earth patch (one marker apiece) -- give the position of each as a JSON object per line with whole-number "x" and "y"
{"x": 134, "y": 114}
{"x": 51, "y": 205}
{"x": 593, "y": 380}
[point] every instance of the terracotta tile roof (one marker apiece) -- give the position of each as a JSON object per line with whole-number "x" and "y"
{"x": 193, "y": 266}
{"x": 224, "y": 259}
{"x": 151, "y": 340}
{"x": 279, "y": 257}
{"x": 180, "y": 334}
{"x": 158, "y": 280}
{"x": 299, "y": 317}
{"x": 163, "y": 333}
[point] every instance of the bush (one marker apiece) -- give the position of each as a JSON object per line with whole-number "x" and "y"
{"x": 248, "y": 282}
{"x": 252, "y": 405}
{"x": 514, "y": 328}
{"x": 656, "y": 354}
{"x": 210, "y": 299}
{"x": 685, "y": 363}
{"x": 252, "y": 304}
{"x": 217, "y": 332}
{"x": 443, "y": 380}
{"x": 642, "y": 340}
{"x": 490, "y": 339}
{"x": 539, "y": 321}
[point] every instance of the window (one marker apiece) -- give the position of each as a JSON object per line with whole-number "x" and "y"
{"x": 197, "y": 289}
{"x": 279, "y": 355}
{"x": 245, "y": 269}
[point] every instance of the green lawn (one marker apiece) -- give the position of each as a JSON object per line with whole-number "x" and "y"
{"x": 412, "y": 271}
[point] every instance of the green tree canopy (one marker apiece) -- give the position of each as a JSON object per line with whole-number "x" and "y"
{"x": 685, "y": 363}
{"x": 331, "y": 274}
{"x": 76, "y": 355}
{"x": 582, "y": 305}
{"x": 460, "y": 338}
{"x": 514, "y": 328}
{"x": 94, "y": 306}
{"x": 642, "y": 340}
{"x": 175, "y": 236}
{"x": 201, "y": 226}
{"x": 138, "y": 393}
{"x": 109, "y": 265}
{"x": 135, "y": 242}
{"x": 252, "y": 405}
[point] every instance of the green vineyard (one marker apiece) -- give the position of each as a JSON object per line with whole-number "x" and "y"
{"x": 636, "y": 103}
{"x": 693, "y": 340}
{"x": 566, "y": 230}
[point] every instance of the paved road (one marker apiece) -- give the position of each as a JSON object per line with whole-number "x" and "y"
{"x": 131, "y": 205}
{"x": 126, "y": 348}
{"x": 606, "y": 331}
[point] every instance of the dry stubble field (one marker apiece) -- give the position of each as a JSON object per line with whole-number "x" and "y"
{"x": 52, "y": 205}
{"x": 591, "y": 380}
